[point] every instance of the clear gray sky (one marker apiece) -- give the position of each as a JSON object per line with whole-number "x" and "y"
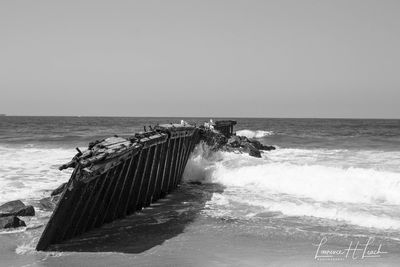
{"x": 214, "y": 58}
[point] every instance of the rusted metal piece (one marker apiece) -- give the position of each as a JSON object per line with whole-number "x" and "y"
{"x": 117, "y": 176}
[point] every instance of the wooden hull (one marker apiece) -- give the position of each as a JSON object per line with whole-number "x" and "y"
{"x": 117, "y": 177}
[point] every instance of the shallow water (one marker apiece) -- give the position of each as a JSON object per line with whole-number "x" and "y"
{"x": 338, "y": 179}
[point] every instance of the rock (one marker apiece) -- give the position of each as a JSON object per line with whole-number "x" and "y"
{"x": 11, "y": 222}
{"x": 217, "y": 141}
{"x": 214, "y": 139}
{"x": 49, "y": 203}
{"x": 234, "y": 141}
{"x": 260, "y": 146}
{"x": 59, "y": 189}
{"x": 254, "y": 152}
{"x": 268, "y": 148}
{"x": 16, "y": 208}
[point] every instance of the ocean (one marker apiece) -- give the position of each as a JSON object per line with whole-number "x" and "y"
{"x": 328, "y": 195}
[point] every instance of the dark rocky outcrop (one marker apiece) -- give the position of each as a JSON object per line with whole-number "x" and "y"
{"x": 16, "y": 208}
{"x": 240, "y": 141}
{"x": 214, "y": 139}
{"x": 249, "y": 148}
{"x": 258, "y": 145}
{"x": 11, "y": 222}
{"x": 217, "y": 141}
{"x": 59, "y": 189}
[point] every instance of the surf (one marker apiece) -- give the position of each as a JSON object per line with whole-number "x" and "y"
{"x": 28, "y": 172}
{"x": 254, "y": 134}
{"x": 366, "y": 197}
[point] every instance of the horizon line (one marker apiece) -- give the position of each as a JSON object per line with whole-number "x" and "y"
{"x": 201, "y": 117}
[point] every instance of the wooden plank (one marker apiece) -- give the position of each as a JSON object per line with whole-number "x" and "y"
{"x": 160, "y": 172}
{"x": 116, "y": 190}
{"x": 175, "y": 165}
{"x": 138, "y": 181}
{"x": 55, "y": 223}
{"x": 98, "y": 205}
{"x": 75, "y": 215}
{"x": 185, "y": 157}
{"x": 91, "y": 212}
{"x": 165, "y": 173}
{"x": 126, "y": 184}
{"x": 66, "y": 217}
{"x": 153, "y": 176}
{"x": 134, "y": 180}
{"x": 145, "y": 179}
{"x": 182, "y": 160}
{"x": 179, "y": 161}
{"x": 107, "y": 195}
{"x": 78, "y": 229}
{"x": 170, "y": 166}
{"x": 191, "y": 145}
{"x": 167, "y": 167}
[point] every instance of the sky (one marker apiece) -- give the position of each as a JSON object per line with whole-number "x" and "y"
{"x": 218, "y": 58}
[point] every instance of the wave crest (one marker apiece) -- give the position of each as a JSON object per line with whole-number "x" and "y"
{"x": 360, "y": 196}
{"x": 254, "y": 134}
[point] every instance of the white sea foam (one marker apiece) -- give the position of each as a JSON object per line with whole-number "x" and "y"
{"x": 296, "y": 183}
{"x": 25, "y": 172}
{"x": 320, "y": 183}
{"x": 254, "y": 134}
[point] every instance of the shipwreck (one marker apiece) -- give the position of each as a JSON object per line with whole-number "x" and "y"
{"x": 117, "y": 176}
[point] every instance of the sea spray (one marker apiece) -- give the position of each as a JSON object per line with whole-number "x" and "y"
{"x": 360, "y": 196}
{"x": 254, "y": 134}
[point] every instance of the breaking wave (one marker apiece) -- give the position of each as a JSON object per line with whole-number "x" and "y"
{"x": 27, "y": 172}
{"x": 356, "y": 195}
{"x": 254, "y": 134}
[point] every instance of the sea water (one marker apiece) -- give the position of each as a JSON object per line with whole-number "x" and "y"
{"x": 337, "y": 179}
